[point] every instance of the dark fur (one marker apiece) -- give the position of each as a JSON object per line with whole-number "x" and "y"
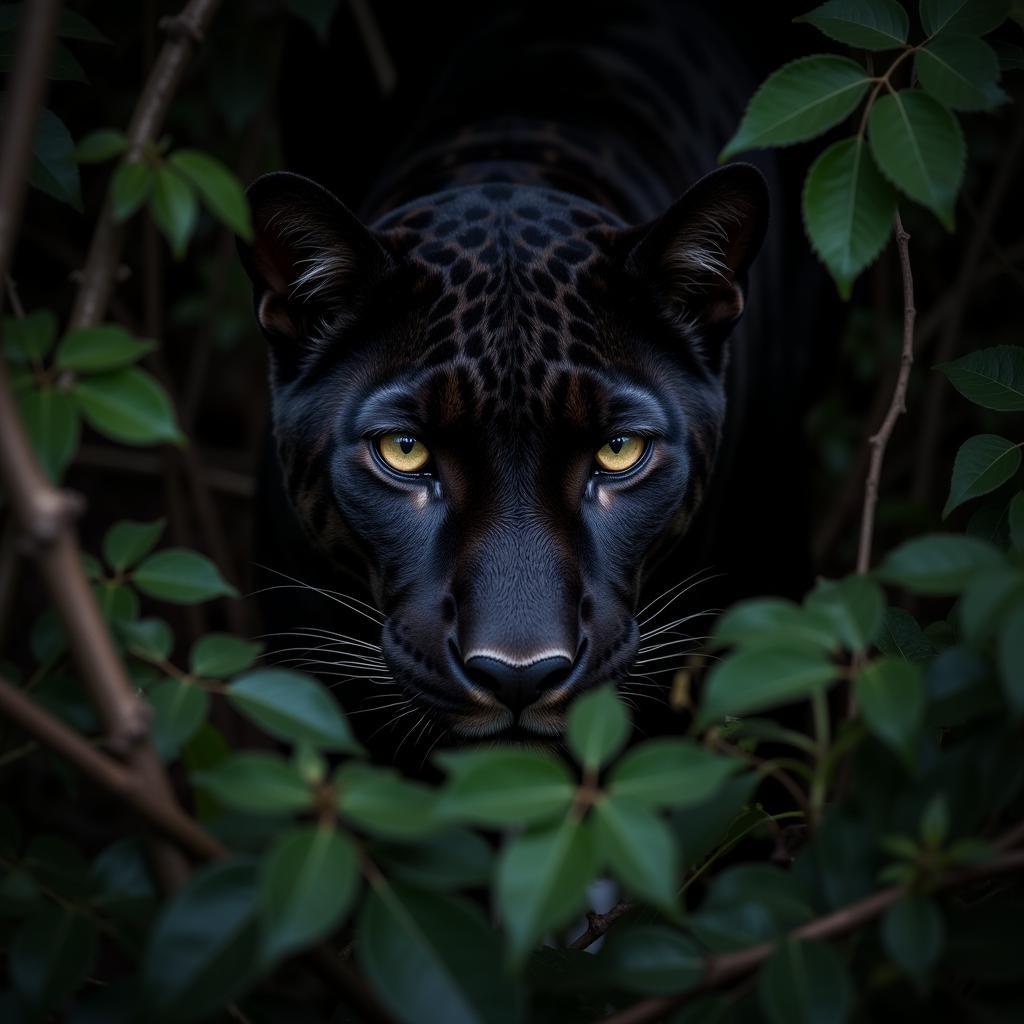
{"x": 507, "y": 309}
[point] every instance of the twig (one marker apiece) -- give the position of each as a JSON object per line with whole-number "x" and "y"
{"x": 932, "y": 419}
{"x": 598, "y": 924}
{"x": 98, "y": 274}
{"x": 850, "y": 491}
{"x": 165, "y": 816}
{"x": 897, "y": 405}
{"x": 727, "y": 967}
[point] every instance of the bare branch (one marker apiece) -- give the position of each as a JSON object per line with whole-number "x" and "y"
{"x": 952, "y": 327}
{"x": 897, "y": 405}
{"x": 183, "y": 34}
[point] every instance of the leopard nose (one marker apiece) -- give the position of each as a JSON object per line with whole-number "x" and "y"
{"x": 517, "y": 685}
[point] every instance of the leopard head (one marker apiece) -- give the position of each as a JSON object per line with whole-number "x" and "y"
{"x": 501, "y": 400}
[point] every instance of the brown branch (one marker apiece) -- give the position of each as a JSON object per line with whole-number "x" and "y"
{"x": 183, "y": 34}
{"x": 897, "y": 405}
{"x": 598, "y": 924}
{"x": 728, "y": 967}
{"x": 165, "y": 816}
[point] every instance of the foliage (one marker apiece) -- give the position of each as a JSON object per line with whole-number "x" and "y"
{"x": 908, "y": 138}
{"x": 475, "y": 898}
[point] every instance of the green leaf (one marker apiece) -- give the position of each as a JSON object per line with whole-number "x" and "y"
{"x": 454, "y": 859}
{"x": 848, "y": 210}
{"x": 431, "y": 957}
{"x": 54, "y": 170}
{"x": 974, "y": 17}
{"x": 918, "y": 145}
{"x": 118, "y": 602}
{"x": 50, "y": 956}
{"x": 128, "y": 405}
{"x": 639, "y": 849}
{"x": 384, "y": 804}
{"x": 541, "y": 882}
{"x": 753, "y": 681}
{"x": 799, "y": 101}
{"x": 670, "y": 773}
{"x": 1011, "y": 658}
{"x": 864, "y": 24}
{"x": 51, "y": 421}
{"x": 126, "y": 543}
{"x": 151, "y": 639}
{"x": 960, "y": 71}
{"x": 935, "y": 822}
{"x": 913, "y": 935}
{"x": 774, "y": 622}
{"x": 101, "y": 145}
{"x": 94, "y": 349}
{"x": 939, "y": 563}
{"x": 805, "y": 983}
{"x": 504, "y": 786}
{"x": 257, "y": 783}
{"x": 318, "y": 14}
{"x": 130, "y": 188}
{"x": 983, "y": 463}
{"x": 900, "y": 635}
{"x": 748, "y": 904}
{"x": 651, "y": 959}
{"x": 701, "y": 827}
{"x": 181, "y": 576}
{"x": 855, "y": 605}
{"x": 992, "y": 377}
{"x": 294, "y": 708}
{"x": 204, "y": 950}
{"x": 220, "y": 655}
{"x": 27, "y": 339}
{"x": 308, "y": 880}
{"x": 175, "y": 209}
{"x": 180, "y": 709}
{"x": 598, "y": 727}
{"x": 1015, "y": 520}
{"x": 890, "y": 695}
{"x": 220, "y": 190}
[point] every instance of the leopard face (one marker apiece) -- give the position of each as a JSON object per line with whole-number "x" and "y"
{"x": 501, "y": 400}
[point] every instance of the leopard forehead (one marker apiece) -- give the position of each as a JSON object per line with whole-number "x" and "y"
{"x": 511, "y": 277}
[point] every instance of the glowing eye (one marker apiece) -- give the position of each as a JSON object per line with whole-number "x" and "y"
{"x": 620, "y": 453}
{"x": 404, "y": 453}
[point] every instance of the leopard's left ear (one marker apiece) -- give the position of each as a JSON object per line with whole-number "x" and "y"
{"x": 696, "y": 255}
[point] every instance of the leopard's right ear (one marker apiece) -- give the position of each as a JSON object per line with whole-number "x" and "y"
{"x": 311, "y": 261}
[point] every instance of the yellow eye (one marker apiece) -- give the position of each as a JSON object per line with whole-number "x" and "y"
{"x": 620, "y": 453}
{"x": 403, "y": 452}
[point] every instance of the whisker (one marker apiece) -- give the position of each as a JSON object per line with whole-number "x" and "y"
{"x": 299, "y": 585}
{"x": 675, "y": 597}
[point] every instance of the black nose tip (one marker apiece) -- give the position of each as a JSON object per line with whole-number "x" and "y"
{"x": 517, "y": 686}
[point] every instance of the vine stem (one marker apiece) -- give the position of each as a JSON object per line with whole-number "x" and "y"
{"x": 897, "y": 405}
{"x": 729, "y": 967}
{"x": 184, "y": 33}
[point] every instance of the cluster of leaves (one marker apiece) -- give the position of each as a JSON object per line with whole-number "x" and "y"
{"x": 908, "y": 139}
{"x": 91, "y": 375}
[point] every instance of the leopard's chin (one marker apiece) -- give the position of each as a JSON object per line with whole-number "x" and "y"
{"x": 533, "y": 726}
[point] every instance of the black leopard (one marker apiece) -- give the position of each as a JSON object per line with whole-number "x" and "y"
{"x": 505, "y": 391}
